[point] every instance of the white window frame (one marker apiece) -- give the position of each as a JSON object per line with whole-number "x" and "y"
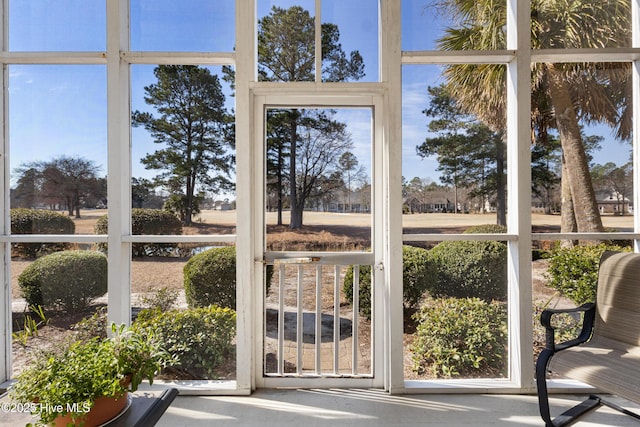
{"x": 517, "y": 57}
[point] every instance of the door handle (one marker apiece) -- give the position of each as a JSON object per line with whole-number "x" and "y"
{"x": 300, "y": 260}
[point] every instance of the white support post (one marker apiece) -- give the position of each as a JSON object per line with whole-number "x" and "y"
{"x": 635, "y": 79}
{"x": 248, "y": 276}
{"x": 391, "y": 76}
{"x": 519, "y": 189}
{"x": 336, "y": 320}
{"x": 119, "y": 163}
{"x": 5, "y": 248}
{"x": 318, "y": 334}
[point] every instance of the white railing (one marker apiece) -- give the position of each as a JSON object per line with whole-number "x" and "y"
{"x": 310, "y": 285}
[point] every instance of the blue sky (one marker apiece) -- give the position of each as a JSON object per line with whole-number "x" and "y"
{"x": 61, "y": 109}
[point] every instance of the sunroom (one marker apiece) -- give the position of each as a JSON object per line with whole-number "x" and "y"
{"x": 342, "y": 158}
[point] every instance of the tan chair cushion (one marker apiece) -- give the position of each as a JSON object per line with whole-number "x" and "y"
{"x": 618, "y": 298}
{"x": 610, "y": 361}
{"x": 603, "y": 363}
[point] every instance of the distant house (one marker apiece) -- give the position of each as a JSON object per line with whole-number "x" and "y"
{"x": 615, "y": 203}
{"x": 435, "y": 201}
{"x": 357, "y": 201}
{"x": 546, "y": 205}
{"x": 223, "y": 205}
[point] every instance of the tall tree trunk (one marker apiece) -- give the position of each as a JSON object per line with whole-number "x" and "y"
{"x": 455, "y": 198}
{"x": 280, "y": 182}
{"x": 296, "y": 216}
{"x": 296, "y": 210}
{"x": 567, "y": 215}
{"x": 188, "y": 202}
{"x": 577, "y": 168}
{"x": 76, "y": 200}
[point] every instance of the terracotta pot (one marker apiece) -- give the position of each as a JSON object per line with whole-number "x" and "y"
{"x": 103, "y": 410}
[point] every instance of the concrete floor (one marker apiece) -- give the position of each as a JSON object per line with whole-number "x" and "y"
{"x": 367, "y": 408}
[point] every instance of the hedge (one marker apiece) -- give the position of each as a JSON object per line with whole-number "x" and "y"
{"x": 210, "y": 278}
{"x": 146, "y": 221}
{"x": 469, "y": 269}
{"x": 574, "y": 271}
{"x": 67, "y": 280}
{"x": 461, "y": 337}
{"x": 417, "y": 277}
{"x": 200, "y": 338}
{"x": 36, "y": 221}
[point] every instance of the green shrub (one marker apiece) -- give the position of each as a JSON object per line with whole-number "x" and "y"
{"x": 469, "y": 269}
{"x": 417, "y": 274}
{"x": 67, "y": 280}
{"x": 364, "y": 294}
{"x": 163, "y": 299}
{"x": 154, "y": 221}
{"x": 460, "y": 337}
{"x": 146, "y": 221}
{"x": 34, "y": 221}
{"x": 102, "y": 225}
{"x": 486, "y": 229}
{"x": 210, "y": 278}
{"x": 94, "y": 326}
{"x": 200, "y": 338}
{"x": 574, "y": 271}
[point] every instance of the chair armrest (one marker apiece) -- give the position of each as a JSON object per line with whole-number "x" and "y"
{"x": 589, "y": 310}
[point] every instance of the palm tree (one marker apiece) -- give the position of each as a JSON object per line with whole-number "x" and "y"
{"x": 561, "y": 93}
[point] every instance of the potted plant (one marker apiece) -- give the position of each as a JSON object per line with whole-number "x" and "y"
{"x": 67, "y": 386}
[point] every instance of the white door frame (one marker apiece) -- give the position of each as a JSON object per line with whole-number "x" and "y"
{"x": 308, "y": 100}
